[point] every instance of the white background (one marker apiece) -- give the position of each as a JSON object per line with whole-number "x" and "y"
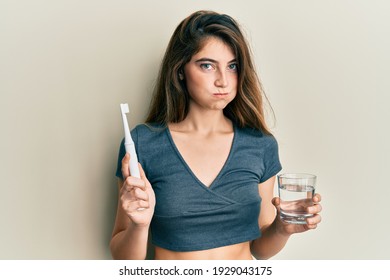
{"x": 65, "y": 66}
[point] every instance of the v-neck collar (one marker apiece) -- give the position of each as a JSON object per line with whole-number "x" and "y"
{"x": 188, "y": 167}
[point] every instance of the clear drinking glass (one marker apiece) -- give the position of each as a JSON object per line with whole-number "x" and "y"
{"x": 296, "y": 191}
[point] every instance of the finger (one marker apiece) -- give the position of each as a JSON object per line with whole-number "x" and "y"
{"x": 128, "y": 192}
{"x": 317, "y": 198}
{"x": 135, "y": 205}
{"x": 314, "y": 209}
{"x": 133, "y": 182}
{"x": 316, "y": 219}
{"x": 311, "y": 226}
{"x": 125, "y": 166}
{"x": 276, "y": 201}
{"x": 127, "y": 196}
{"x": 142, "y": 172}
{"x": 143, "y": 176}
{"x": 140, "y": 194}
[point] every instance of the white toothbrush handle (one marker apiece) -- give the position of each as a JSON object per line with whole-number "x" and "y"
{"x": 134, "y": 170}
{"x": 133, "y": 166}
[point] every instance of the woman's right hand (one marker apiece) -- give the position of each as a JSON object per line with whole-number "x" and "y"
{"x": 136, "y": 195}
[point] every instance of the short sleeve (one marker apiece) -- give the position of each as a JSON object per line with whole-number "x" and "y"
{"x": 122, "y": 152}
{"x": 271, "y": 160}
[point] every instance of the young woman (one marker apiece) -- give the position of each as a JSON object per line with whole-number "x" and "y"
{"x": 207, "y": 159}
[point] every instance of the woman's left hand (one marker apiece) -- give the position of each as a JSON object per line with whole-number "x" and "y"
{"x": 312, "y": 222}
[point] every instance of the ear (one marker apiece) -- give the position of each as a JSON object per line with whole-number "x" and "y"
{"x": 181, "y": 73}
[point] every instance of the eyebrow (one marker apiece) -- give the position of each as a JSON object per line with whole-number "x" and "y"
{"x": 204, "y": 59}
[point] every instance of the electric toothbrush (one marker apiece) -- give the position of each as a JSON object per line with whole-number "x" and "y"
{"x": 129, "y": 144}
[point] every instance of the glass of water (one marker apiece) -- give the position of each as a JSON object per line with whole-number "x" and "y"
{"x": 296, "y": 191}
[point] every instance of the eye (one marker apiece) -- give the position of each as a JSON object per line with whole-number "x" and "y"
{"x": 206, "y": 66}
{"x": 233, "y": 67}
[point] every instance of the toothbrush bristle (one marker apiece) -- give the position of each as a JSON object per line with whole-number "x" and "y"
{"x": 125, "y": 108}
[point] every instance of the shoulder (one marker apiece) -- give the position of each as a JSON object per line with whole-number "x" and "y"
{"x": 148, "y": 133}
{"x": 256, "y": 137}
{"x": 146, "y": 129}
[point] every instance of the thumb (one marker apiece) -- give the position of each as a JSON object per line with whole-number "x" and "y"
{"x": 276, "y": 203}
{"x": 142, "y": 172}
{"x": 125, "y": 166}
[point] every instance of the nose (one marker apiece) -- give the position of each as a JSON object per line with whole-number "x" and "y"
{"x": 221, "y": 79}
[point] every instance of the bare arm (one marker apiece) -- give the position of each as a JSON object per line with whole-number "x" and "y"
{"x": 271, "y": 241}
{"x": 275, "y": 233}
{"x": 130, "y": 235}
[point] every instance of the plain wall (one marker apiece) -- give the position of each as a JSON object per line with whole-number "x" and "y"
{"x": 65, "y": 66}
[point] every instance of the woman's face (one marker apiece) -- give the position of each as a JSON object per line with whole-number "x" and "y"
{"x": 211, "y": 76}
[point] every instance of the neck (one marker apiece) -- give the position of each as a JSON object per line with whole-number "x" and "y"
{"x": 206, "y": 122}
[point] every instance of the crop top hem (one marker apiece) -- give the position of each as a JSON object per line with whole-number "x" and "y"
{"x": 206, "y": 246}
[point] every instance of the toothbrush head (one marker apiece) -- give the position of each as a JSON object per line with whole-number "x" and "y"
{"x": 124, "y": 108}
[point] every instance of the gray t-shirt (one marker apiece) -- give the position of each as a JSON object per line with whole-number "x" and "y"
{"x": 190, "y": 216}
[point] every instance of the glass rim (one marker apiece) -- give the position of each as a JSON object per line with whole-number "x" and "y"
{"x": 292, "y": 175}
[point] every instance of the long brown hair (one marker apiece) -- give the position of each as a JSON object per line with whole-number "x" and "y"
{"x": 170, "y": 102}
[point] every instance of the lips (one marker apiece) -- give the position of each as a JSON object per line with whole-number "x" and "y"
{"x": 220, "y": 94}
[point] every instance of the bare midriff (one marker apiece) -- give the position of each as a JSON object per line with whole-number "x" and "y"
{"x": 239, "y": 251}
